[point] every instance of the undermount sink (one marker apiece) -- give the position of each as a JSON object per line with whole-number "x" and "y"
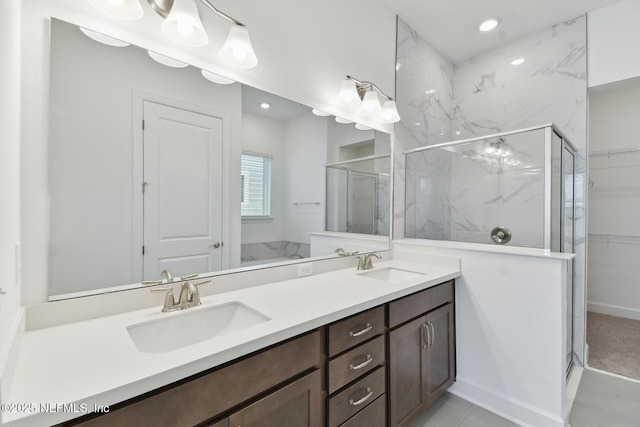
{"x": 391, "y": 275}
{"x": 193, "y": 326}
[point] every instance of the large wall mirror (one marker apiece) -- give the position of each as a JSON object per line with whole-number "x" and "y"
{"x": 154, "y": 167}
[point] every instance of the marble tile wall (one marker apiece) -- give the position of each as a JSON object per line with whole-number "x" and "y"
{"x": 440, "y": 101}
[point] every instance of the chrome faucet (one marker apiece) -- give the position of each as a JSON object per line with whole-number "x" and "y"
{"x": 342, "y": 252}
{"x": 365, "y": 262}
{"x": 165, "y": 277}
{"x": 189, "y": 296}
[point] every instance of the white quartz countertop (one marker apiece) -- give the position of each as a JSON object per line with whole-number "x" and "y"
{"x": 96, "y": 362}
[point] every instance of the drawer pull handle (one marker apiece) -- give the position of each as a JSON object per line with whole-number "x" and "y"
{"x": 367, "y": 327}
{"x": 363, "y": 399}
{"x": 367, "y": 359}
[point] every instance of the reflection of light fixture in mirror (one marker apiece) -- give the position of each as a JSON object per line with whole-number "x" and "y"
{"x": 430, "y": 91}
{"x": 103, "y": 38}
{"x": 129, "y": 10}
{"x": 216, "y": 78}
{"x": 165, "y": 60}
{"x": 187, "y": 29}
{"x": 265, "y": 105}
{"x": 319, "y": 113}
{"x": 517, "y": 61}
{"x": 343, "y": 120}
{"x": 183, "y": 25}
{"x": 352, "y": 91}
{"x": 489, "y": 24}
{"x": 362, "y": 127}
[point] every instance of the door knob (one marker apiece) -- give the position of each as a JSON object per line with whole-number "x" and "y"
{"x": 216, "y": 245}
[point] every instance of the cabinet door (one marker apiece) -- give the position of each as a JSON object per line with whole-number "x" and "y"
{"x": 407, "y": 347}
{"x": 440, "y": 367}
{"x": 421, "y": 363}
{"x": 297, "y": 405}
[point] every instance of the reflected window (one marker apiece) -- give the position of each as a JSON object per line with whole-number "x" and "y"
{"x": 255, "y": 193}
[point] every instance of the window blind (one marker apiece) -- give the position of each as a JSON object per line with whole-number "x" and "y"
{"x": 256, "y": 185}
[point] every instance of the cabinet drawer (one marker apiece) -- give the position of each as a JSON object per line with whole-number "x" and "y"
{"x": 215, "y": 392}
{"x": 419, "y": 303}
{"x": 350, "y": 366}
{"x": 374, "y": 415}
{"x": 355, "y": 329}
{"x": 351, "y": 400}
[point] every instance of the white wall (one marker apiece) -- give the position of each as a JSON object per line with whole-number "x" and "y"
{"x": 9, "y": 166}
{"x": 510, "y": 331}
{"x": 614, "y": 42}
{"x": 299, "y": 60}
{"x": 265, "y": 136}
{"x": 614, "y": 205}
{"x": 306, "y": 150}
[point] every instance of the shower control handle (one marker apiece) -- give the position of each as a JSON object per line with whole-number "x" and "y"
{"x": 501, "y": 235}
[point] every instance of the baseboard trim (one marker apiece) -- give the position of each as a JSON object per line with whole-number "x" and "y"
{"x": 614, "y": 310}
{"x": 10, "y": 351}
{"x": 507, "y": 407}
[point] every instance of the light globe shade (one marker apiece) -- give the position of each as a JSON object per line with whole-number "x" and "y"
{"x": 183, "y": 25}
{"x": 166, "y": 60}
{"x": 237, "y": 49}
{"x": 216, "y": 78}
{"x": 371, "y": 105}
{"x": 343, "y": 120}
{"x": 320, "y": 113}
{"x": 128, "y": 10}
{"x": 348, "y": 93}
{"x": 390, "y": 112}
{"x": 103, "y": 38}
{"x": 360, "y": 126}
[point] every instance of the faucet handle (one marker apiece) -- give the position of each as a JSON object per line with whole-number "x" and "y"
{"x": 360, "y": 259}
{"x": 188, "y": 277}
{"x": 152, "y": 282}
{"x": 169, "y": 300}
{"x": 202, "y": 282}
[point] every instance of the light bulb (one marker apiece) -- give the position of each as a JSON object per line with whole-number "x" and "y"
{"x": 348, "y": 93}
{"x": 129, "y": 10}
{"x": 237, "y": 49}
{"x": 185, "y": 28}
{"x": 183, "y": 25}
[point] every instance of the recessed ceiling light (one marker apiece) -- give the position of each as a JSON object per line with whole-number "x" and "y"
{"x": 430, "y": 91}
{"x": 265, "y": 105}
{"x": 517, "y": 61}
{"x": 458, "y": 132}
{"x": 319, "y": 113}
{"x": 418, "y": 124}
{"x": 489, "y": 24}
{"x": 397, "y": 66}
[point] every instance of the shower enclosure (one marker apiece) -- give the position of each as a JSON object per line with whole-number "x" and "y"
{"x": 358, "y": 194}
{"x": 513, "y": 188}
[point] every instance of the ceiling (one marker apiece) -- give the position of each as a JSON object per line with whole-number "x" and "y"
{"x": 280, "y": 108}
{"x": 451, "y": 26}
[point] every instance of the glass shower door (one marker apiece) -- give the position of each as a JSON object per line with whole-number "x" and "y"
{"x": 568, "y": 241}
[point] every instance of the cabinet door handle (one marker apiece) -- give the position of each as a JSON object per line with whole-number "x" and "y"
{"x": 425, "y": 342}
{"x": 367, "y": 359}
{"x": 363, "y": 399}
{"x": 433, "y": 333}
{"x": 367, "y": 327}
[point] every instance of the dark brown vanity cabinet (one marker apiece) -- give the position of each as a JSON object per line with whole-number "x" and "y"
{"x": 421, "y": 352}
{"x": 377, "y": 368}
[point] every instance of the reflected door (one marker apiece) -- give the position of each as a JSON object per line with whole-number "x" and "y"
{"x": 182, "y": 191}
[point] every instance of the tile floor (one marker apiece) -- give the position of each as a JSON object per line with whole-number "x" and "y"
{"x": 602, "y": 401}
{"x": 452, "y": 411}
